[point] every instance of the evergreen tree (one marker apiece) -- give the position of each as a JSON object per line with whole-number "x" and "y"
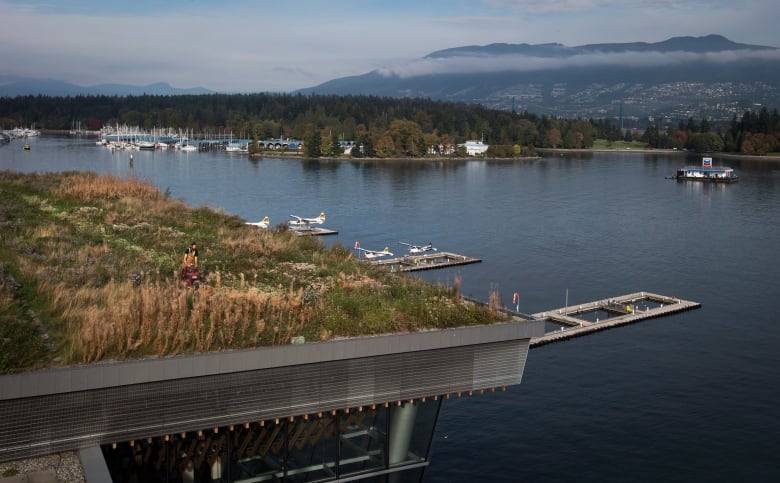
{"x": 312, "y": 145}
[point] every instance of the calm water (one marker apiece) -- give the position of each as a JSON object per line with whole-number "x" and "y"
{"x": 690, "y": 397}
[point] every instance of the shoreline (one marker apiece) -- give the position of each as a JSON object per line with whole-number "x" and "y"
{"x": 771, "y": 157}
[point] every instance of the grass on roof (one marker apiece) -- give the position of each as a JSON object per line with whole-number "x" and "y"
{"x": 90, "y": 265}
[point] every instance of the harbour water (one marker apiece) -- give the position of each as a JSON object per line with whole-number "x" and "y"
{"x": 689, "y": 397}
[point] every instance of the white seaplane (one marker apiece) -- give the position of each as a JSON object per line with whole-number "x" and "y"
{"x": 419, "y": 248}
{"x": 371, "y": 254}
{"x": 262, "y": 223}
{"x": 298, "y": 222}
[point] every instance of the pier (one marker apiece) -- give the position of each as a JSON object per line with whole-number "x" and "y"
{"x": 412, "y": 263}
{"x": 313, "y": 231}
{"x": 617, "y": 311}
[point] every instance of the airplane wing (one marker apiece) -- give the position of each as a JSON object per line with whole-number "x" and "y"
{"x": 297, "y": 218}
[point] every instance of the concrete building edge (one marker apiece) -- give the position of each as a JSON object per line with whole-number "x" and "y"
{"x": 94, "y": 465}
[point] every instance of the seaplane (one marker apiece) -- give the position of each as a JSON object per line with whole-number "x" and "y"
{"x": 298, "y": 222}
{"x": 262, "y": 223}
{"x": 416, "y": 249}
{"x": 371, "y": 254}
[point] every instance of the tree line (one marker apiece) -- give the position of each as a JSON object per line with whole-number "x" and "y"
{"x": 753, "y": 133}
{"x": 381, "y": 126}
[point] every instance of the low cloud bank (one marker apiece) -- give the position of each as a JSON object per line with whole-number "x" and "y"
{"x": 524, "y": 63}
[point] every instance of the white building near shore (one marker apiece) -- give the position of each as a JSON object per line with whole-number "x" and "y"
{"x": 474, "y": 148}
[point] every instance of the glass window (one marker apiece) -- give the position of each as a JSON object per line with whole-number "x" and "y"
{"x": 363, "y": 441}
{"x": 313, "y": 449}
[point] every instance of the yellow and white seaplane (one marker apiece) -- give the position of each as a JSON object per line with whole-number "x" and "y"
{"x": 371, "y": 254}
{"x": 262, "y": 223}
{"x": 416, "y": 249}
{"x": 298, "y": 222}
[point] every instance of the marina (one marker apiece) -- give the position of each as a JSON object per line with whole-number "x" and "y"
{"x": 412, "y": 263}
{"x": 608, "y": 313}
{"x": 135, "y": 138}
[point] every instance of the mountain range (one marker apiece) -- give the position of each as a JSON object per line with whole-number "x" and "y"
{"x": 12, "y": 86}
{"x": 681, "y": 77}
{"x": 678, "y": 78}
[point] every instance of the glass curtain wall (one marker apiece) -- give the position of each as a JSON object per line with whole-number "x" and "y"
{"x": 381, "y": 443}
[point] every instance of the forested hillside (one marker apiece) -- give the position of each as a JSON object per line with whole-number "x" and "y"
{"x": 385, "y": 127}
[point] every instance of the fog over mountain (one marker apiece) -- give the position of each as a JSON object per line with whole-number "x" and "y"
{"x": 525, "y": 62}
{"x": 679, "y": 77}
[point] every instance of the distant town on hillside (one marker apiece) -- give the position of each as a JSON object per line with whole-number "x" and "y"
{"x": 708, "y": 77}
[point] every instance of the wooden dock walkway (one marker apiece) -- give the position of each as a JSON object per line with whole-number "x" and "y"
{"x": 624, "y": 306}
{"x": 412, "y": 263}
{"x": 313, "y": 231}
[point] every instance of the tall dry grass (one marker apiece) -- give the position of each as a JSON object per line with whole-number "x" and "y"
{"x": 121, "y": 320}
{"x": 456, "y": 283}
{"x": 90, "y": 186}
{"x": 6, "y": 297}
{"x": 494, "y": 300}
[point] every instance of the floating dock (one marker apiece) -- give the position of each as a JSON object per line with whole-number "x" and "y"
{"x": 313, "y": 231}
{"x": 622, "y": 310}
{"x": 412, "y": 263}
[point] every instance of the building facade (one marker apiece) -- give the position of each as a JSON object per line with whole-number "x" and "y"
{"x": 344, "y": 410}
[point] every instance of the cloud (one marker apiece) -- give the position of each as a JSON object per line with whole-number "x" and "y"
{"x": 524, "y": 63}
{"x": 572, "y": 6}
{"x": 243, "y": 45}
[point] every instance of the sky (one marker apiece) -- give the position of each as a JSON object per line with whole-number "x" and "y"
{"x": 241, "y": 46}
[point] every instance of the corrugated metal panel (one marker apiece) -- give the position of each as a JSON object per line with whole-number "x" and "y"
{"x": 330, "y": 379}
{"x": 95, "y": 376}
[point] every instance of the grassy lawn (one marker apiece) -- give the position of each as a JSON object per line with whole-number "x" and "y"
{"x": 90, "y": 267}
{"x": 604, "y": 144}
